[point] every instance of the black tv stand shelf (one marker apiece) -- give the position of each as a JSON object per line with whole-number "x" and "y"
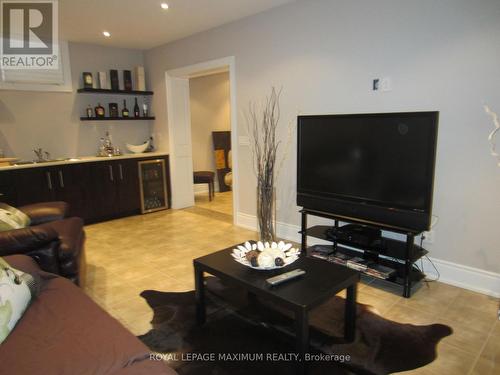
{"x": 399, "y": 255}
{"x": 393, "y": 248}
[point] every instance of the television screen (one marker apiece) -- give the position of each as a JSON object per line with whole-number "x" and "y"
{"x": 384, "y": 160}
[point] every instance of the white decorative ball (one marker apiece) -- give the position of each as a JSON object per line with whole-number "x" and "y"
{"x": 265, "y": 259}
{"x": 276, "y": 253}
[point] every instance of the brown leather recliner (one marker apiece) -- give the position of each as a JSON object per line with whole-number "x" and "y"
{"x": 55, "y": 242}
{"x": 45, "y": 212}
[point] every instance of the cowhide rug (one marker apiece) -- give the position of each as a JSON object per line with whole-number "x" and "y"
{"x": 237, "y": 326}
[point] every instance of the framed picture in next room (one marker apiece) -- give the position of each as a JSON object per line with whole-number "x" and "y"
{"x": 222, "y": 149}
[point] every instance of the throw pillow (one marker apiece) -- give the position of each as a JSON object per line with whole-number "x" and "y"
{"x": 16, "y": 290}
{"x": 12, "y": 218}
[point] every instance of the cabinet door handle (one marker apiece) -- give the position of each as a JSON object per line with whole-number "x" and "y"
{"x": 121, "y": 171}
{"x": 111, "y": 177}
{"x": 61, "y": 179}
{"x": 49, "y": 180}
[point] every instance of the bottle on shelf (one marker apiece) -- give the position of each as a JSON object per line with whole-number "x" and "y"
{"x": 125, "y": 112}
{"x": 89, "y": 111}
{"x": 99, "y": 110}
{"x": 145, "y": 111}
{"x": 88, "y": 80}
{"x": 113, "y": 110}
{"x": 137, "y": 112}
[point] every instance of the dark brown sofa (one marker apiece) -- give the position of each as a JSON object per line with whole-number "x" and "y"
{"x": 54, "y": 241}
{"x": 65, "y": 332}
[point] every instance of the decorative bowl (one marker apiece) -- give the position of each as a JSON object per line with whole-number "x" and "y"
{"x": 138, "y": 149}
{"x": 265, "y": 255}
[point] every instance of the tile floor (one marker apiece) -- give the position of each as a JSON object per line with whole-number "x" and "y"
{"x": 222, "y": 204}
{"x": 155, "y": 251}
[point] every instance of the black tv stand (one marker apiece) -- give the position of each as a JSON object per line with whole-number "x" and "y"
{"x": 399, "y": 255}
{"x": 356, "y": 234}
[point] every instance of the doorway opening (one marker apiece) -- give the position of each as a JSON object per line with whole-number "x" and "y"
{"x": 210, "y": 107}
{"x": 182, "y": 139}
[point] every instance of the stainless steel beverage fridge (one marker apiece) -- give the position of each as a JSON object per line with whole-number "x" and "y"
{"x": 153, "y": 183}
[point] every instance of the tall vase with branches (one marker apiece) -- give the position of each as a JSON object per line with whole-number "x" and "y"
{"x": 262, "y": 126}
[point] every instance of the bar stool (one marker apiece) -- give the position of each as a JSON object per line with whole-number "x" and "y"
{"x": 205, "y": 177}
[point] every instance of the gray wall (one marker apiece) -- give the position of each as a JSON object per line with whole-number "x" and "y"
{"x": 50, "y": 120}
{"x": 210, "y": 111}
{"x": 441, "y": 55}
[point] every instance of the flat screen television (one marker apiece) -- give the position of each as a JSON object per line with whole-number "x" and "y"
{"x": 375, "y": 168}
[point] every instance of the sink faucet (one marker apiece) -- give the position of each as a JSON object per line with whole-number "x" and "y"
{"x": 40, "y": 157}
{"x": 39, "y": 154}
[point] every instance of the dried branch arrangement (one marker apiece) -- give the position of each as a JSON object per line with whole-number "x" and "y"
{"x": 262, "y": 125}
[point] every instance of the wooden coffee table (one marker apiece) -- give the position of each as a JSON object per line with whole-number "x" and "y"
{"x": 322, "y": 281}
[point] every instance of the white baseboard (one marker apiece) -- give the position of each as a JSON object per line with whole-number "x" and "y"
{"x": 246, "y": 221}
{"x": 455, "y": 274}
{"x": 475, "y": 279}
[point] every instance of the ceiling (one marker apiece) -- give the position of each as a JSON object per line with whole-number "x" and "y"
{"x": 142, "y": 24}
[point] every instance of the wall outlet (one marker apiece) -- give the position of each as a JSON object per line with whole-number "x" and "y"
{"x": 429, "y": 236}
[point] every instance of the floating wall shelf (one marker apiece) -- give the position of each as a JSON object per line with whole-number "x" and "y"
{"x": 116, "y": 118}
{"x": 114, "y": 92}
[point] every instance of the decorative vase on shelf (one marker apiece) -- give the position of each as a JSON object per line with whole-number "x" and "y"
{"x": 266, "y": 212}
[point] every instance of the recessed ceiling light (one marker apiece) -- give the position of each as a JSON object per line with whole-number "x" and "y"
{"x": 164, "y": 6}
{"x": 106, "y": 34}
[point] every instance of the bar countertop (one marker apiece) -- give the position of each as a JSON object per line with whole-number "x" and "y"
{"x": 82, "y": 159}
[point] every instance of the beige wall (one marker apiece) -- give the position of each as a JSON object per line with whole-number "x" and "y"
{"x": 441, "y": 55}
{"x": 51, "y": 120}
{"x": 210, "y": 111}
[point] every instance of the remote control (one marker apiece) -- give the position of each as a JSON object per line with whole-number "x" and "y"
{"x": 276, "y": 280}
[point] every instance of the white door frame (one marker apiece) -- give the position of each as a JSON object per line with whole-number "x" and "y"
{"x": 196, "y": 70}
